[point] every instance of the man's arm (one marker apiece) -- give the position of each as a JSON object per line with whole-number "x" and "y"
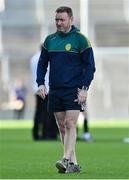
{"x": 42, "y": 67}
{"x": 88, "y": 64}
{"x": 88, "y": 74}
{"x": 41, "y": 72}
{"x": 88, "y": 67}
{"x": 87, "y": 59}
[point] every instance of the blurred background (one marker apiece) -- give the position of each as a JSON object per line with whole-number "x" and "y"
{"x": 25, "y": 23}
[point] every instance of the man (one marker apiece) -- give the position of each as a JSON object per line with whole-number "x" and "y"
{"x": 86, "y": 133}
{"x": 87, "y": 137}
{"x": 18, "y": 98}
{"x": 44, "y": 123}
{"x": 71, "y": 72}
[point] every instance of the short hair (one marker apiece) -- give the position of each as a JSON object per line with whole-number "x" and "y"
{"x": 66, "y": 9}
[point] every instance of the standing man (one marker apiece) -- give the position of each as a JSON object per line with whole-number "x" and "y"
{"x": 44, "y": 126}
{"x": 86, "y": 133}
{"x": 71, "y": 72}
{"x": 18, "y": 98}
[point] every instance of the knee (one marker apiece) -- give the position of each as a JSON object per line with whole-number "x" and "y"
{"x": 70, "y": 124}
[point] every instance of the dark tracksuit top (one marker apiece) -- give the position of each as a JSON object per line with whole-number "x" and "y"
{"x": 71, "y": 60}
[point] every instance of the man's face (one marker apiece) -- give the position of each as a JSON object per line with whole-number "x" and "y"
{"x": 63, "y": 22}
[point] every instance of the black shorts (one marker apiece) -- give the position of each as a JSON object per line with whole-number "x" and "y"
{"x": 62, "y": 99}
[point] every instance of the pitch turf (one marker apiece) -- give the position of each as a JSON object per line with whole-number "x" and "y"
{"x": 22, "y": 158}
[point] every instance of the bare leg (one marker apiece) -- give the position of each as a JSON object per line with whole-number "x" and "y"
{"x": 67, "y": 127}
{"x": 60, "y": 120}
{"x": 70, "y": 135}
{"x": 73, "y": 157}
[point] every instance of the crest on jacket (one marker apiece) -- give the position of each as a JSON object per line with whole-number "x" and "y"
{"x": 68, "y": 47}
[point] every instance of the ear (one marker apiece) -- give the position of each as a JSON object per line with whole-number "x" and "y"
{"x": 72, "y": 19}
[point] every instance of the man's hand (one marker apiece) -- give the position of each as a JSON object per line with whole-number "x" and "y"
{"x": 42, "y": 92}
{"x": 82, "y": 96}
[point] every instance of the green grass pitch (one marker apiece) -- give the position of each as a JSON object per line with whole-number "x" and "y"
{"x": 22, "y": 158}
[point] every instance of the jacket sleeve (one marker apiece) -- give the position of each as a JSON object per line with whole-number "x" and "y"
{"x": 42, "y": 66}
{"x": 88, "y": 62}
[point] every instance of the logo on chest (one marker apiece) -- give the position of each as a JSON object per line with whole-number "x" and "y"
{"x": 68, "y": 47}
